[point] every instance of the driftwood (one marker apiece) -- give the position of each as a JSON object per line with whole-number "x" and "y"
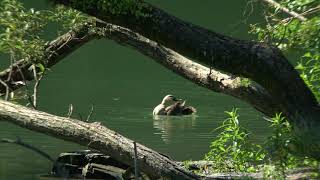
{"x": 89, "y": 165}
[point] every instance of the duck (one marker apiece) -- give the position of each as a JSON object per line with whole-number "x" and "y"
{"x": 172, "y": 106}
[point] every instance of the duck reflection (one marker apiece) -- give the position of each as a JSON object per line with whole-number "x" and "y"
{"x": 169, "y": 126}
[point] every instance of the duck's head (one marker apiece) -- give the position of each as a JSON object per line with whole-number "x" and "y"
{"x": 169, "y": 99}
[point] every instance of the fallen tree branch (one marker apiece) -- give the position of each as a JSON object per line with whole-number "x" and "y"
{"x": 95, "y": 136}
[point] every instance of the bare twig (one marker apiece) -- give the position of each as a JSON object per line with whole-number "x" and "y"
{"x": 7, "y": 89}
{"x": 11, "y": 65}
{"x": 247, "y": 13}
{"x": 136, "y": 168}
{"x": 36, "y": 85}
{"x": 25, "y": 84}
{"x": 286, "y": 10}
{"x": 311, "y": 10}
{"x": 70, "y": 111}
{"x": 35, "y": 90}
{"x": 80, "y": 117}
{"x": 90, "y": 113}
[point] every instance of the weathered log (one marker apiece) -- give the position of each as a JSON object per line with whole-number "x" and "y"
{"x": 95, "y": 136}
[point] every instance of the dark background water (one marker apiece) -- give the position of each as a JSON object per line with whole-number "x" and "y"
{"x": 124, "y": 86}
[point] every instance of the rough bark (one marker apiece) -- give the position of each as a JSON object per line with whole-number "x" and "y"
{"x": 260, "y": 62}
{"x": 95, "y": 136}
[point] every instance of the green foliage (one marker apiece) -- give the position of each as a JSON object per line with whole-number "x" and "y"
{"x": 278, "y": 145}
{"x": 291, "y": 34}
{"x": 232, "y": 150}
{"x": 66, "y": 17}
{"x": 22, "y": 30}
{"x": 309, "y": 67}
{"x": 303, "y": 37}
{"x": 19, "y": 30}
{"x": 245, "y": 81}
{"x": 282, "y": 152}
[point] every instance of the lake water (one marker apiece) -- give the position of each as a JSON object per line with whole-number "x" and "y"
{"x": 124, "y": 86}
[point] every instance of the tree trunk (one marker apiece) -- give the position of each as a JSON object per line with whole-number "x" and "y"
{"x": 95, "y": 136}
{"x": 260, "y": 62}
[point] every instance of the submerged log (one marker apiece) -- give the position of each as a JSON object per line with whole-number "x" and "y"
{"x": 88, "y": 164}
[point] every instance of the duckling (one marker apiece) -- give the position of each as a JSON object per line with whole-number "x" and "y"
{"x": 176, "y": 108}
